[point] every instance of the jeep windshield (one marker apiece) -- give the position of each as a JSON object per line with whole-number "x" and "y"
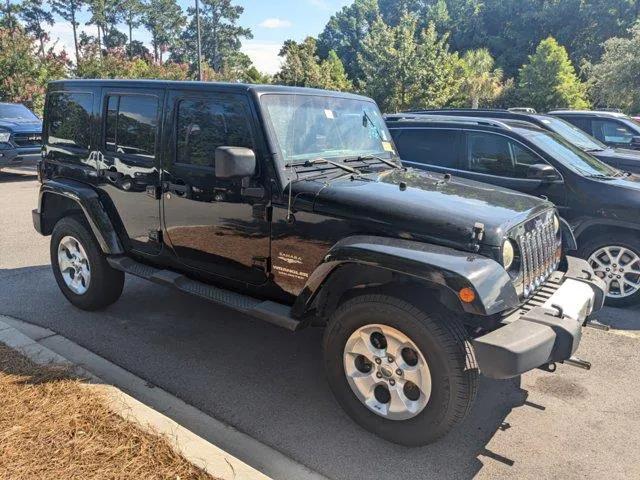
{"x": 309, "y": 127}
{"x": 569, "y": 155}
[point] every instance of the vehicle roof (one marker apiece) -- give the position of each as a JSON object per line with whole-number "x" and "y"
{"x": 426, "y": 120}
{"x": 11, "y": 103}
{"x": 239, "y": 87}
{"x": 535, "y": 118}
{"x": 597, "y": 113}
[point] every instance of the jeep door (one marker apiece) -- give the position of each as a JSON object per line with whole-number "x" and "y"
{"x": 217, "y": 226}
{"x": 128, "y": 162}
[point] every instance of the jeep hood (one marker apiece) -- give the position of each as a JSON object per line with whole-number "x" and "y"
{"x": 430, "y": 208}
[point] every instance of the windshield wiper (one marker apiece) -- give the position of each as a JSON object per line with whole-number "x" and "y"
{"x": 364, "y": 158}
{"x": 321, "y": 161}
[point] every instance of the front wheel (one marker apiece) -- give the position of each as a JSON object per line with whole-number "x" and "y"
{"x": 401, "y": 373}
{"x": 80, "y": 268}
{"x": 616, "y": 260}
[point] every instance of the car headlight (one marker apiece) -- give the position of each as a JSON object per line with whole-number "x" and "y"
{"x": 556, "y": 224}
{"x": 508, "y": 254}
{"x": 4, "y": 136}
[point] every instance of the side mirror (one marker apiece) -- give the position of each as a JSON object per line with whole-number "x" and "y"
{"x": 235, "y": 162}
{"x": 635, "y": 142}
{"x": 542, "y": 172}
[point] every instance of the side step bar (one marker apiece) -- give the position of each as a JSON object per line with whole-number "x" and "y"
{"x": 272, "y": 312}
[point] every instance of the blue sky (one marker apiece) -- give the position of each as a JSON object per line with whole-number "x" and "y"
{"x": 272, "y": 22}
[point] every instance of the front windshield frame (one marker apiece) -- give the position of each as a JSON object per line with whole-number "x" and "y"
{"x": 572, "y": 134}
{"x": 16, "y": 108}
{"x": 567, "y": 154}
{"x": 361, "y": 109}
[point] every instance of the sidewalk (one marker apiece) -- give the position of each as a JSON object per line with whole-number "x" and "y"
{"x": 218, "y": 449}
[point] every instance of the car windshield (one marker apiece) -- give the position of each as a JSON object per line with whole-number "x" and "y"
{"x": 569, "y": 155}
{"x": 572, "y": 134}
{"x": 309, "y": 127}
{"x": 635, "y": 123}
{"x": 16, "y": 112}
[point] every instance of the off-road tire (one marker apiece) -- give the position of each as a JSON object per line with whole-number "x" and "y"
{"x": 106, "y": 283}
{"x": 443, "y": 342}
{"x": 630, "y": 241}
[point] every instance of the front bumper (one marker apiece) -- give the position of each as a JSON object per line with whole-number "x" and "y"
{"x": 547, "y": 328}
{"x": 15, "y": 156}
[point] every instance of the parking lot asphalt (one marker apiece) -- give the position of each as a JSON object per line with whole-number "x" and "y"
{"x": 269, "y": 382}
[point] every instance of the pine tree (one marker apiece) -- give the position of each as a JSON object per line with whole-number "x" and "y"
{"x": 549, "y": 80}
{"x": 35, "y": 19}
{"x": 68, "y": 10}
{"x": 164, "y": 19}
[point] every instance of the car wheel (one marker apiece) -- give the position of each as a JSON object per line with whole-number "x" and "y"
{"x": 399, "y": 372}
{"x": 81, "y": 269}
{"x": 616, "y": 260}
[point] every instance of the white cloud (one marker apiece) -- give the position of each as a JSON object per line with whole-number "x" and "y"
{"x": 272, "y": 23}
{"x": 264, "y": 55}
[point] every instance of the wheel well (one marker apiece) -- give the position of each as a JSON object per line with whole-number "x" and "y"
{"x": 600, "y": 230}
{"x": 54, "y": 207}
{"x": 350, "y": 280}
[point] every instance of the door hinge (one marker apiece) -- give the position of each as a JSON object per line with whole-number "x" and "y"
{"x": 155, "y": 236}
{"x": 262, "y": 263}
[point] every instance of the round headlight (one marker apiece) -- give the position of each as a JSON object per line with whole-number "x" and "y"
{"x": 508, "y": 254}
{"x": 556, "y": 224}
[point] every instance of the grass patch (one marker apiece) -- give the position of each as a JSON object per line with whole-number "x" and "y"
{"x": 53, "y": 427}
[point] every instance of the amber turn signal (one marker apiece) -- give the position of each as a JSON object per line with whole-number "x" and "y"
{"x": 467, "y": 295}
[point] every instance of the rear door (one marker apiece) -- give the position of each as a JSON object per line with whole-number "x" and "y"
{"x": 436, "y": 149}
{"x": 218, "y": 226}
{"x": 613, "y": 132}
{"x": 128, "y": 162}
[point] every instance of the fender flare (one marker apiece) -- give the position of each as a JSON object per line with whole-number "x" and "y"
{"x": 584, "y": 225}
{"x": 443, "y": 267}
{"x": 89, "y": 202}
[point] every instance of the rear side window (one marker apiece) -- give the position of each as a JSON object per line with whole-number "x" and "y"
{"x": 131, "y": 125}
{"x": 204, "y": 125}
{"x": 427, "y": 146}
{"x": 69, "y": 119}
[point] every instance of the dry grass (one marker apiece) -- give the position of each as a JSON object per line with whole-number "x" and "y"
{"x": 51, "y": 427}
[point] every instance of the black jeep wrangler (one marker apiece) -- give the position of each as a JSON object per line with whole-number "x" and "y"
{"x": 291, "y": 205}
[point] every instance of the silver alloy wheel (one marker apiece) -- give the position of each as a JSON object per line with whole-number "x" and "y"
{"x": 619, "y": 267}
{"x": 387, "y": 372}
{"x": 74, "y": 265}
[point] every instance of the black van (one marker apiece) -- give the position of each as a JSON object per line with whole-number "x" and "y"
{"x": 601, "y": 203}
{"x": 621, "y": 158}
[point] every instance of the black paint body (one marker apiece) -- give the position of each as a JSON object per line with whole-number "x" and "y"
{"x": 243, "y": 236}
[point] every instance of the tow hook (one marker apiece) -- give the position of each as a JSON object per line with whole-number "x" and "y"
{"x": 597, "y": 325}
{"x": 548, "y": 367}
{"x": 576, "y": 362}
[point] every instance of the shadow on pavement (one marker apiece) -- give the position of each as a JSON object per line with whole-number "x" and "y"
{"x": 263, "y": 380}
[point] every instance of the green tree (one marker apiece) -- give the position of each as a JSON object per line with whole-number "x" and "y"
{"x": 164, "y": 19}
{"x": 302, "y": 67}
{"x": 68, "y": 10}
{"x": 24, "y": 75}
{"x": 405, "y": 67}
{"x": 9, "y": 12}
{"x": 615, "y": 79}
{"x": 36, "y": 18}
{"x": 549, "y": 80}
{"x": 427, "y": 11}
{"x": 131, "y": 13}
{"x": 221, "y": 36}
{"x": 481, "y": 82}
{"x": 345, "y": 32}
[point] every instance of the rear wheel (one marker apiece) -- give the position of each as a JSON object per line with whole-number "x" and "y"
{"x": 80, "y": 268}
{"x": 401, "y": 373}
{"x": 616, "y": 260}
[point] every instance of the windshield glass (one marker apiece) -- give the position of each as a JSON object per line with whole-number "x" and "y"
{"x": 572, "y": 133}
{"x": 635, "y": 123}
{"x": 569, "y": 155}
{"x": 16, "y": 112}
{"x": 308, "y": 127}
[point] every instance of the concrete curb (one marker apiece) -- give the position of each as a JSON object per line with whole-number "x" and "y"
{"x": 221, "y": 450}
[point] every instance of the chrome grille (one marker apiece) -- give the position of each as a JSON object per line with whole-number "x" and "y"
{"x": 537, "y": 253}
{"x": 27, "y": 139}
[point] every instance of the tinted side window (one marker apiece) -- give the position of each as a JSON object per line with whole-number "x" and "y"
{"x": 69, "y": 119}
{"x": 427, "y": 146}
{"x": 204, "y": 125}
{"x": 610, "y": 131}
{"x": 582, "y": 123}
{"x": 498, "y": 155}
{"x": 131, "y": 125}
